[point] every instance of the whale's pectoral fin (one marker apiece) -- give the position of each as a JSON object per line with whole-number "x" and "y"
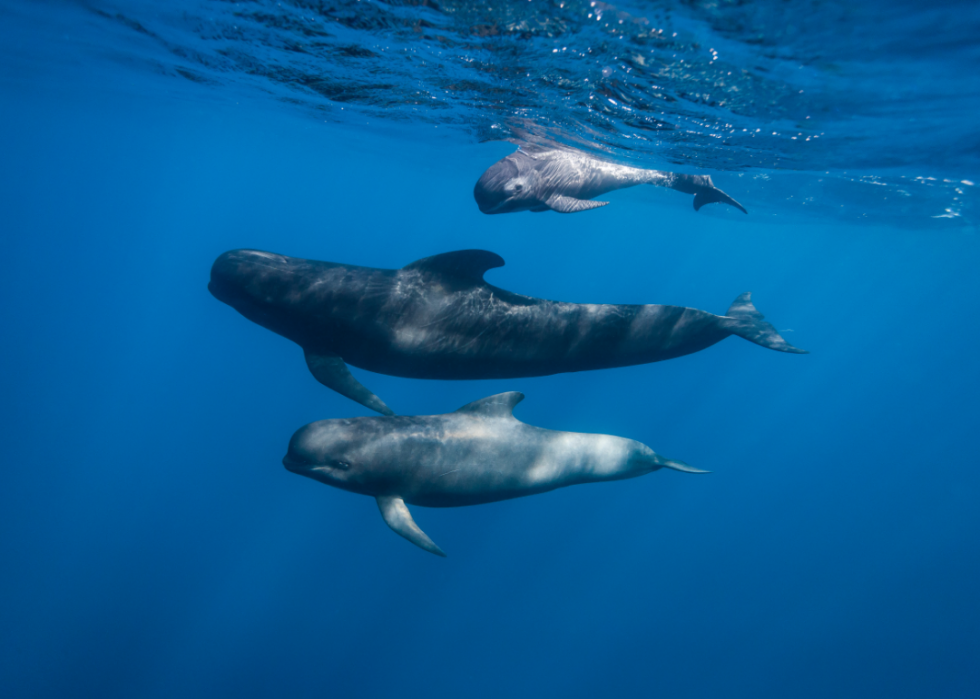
{"x": 330, "y": 370}
{"x": 397, "y": 516}
{"x": 569, "y": 205}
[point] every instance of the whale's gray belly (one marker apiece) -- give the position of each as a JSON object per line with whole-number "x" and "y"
{"x": 456, "y": 460}
{"x": 453, "y": 460}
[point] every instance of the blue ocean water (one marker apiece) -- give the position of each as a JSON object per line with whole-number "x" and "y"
{"x": 154, "y": 546}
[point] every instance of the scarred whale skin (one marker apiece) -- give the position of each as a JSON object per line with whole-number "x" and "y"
{"x": 565, "y": 180}
{"x": 480, "y": 453}
{"x": 438, "y": 319}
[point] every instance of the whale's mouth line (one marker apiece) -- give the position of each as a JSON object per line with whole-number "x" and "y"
{"x": 496, "y": 208}
{"x": 306, "y": 467}
{"x": 229, "y": 294}
{"x": 294, "y": 464}
{"x": 221, "y": 291}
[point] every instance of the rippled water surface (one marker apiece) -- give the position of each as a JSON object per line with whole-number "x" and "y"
{"x": 865, "y": 109}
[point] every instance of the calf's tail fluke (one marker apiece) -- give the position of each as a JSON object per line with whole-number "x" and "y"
{"x": 702, "y": 188}
{"x": 711, "y": 194}
{"x": 744, "y": 320}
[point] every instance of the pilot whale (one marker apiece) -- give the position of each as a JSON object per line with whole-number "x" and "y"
{"x": 564, "y": 180}
{"x": 480, "y": 453}
{"x": 438, "y": 319}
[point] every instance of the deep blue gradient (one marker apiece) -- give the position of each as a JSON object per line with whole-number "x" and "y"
{"x": 154, "y": 546}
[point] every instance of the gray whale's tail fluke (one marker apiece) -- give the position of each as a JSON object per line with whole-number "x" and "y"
{"x": 646, "y": 460}
{"x": 680, "y": 466}
{"x": 744, "y": 320}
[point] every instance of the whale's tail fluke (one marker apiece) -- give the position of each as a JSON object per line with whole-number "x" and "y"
{"x": 680, "y": 466}
{"x": 701, "y": 187}
{"x": 711, "y": 194}
{"x": 744, "y": 320}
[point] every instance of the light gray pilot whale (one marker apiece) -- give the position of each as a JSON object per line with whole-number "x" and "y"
{"x": 438, "y": 319}
{"x": 564, "y": 180}
{"x": 480, "y": 453}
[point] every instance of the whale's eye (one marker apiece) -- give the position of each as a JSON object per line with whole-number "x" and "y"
{"x": 518, "y": 187}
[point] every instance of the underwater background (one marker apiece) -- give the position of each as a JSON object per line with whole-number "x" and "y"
{"x": 152, "y": 544}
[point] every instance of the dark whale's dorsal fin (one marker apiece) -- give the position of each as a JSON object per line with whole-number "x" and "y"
{"x": 467, "y": 264}
{"x": 570, "y": 205}
{"x": 500, "y": 405}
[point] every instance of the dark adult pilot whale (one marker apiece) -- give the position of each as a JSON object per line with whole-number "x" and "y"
{"x": 480, "y": 453}
{"x": 438, "y": 319}
{"x": 564, "y": 180}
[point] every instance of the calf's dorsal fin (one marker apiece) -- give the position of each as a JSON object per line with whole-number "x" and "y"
{"x": 500, "y": 405}
{"x": 467, "y": 264}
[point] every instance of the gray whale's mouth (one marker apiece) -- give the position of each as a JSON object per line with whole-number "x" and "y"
{"x": 296, "y": 465}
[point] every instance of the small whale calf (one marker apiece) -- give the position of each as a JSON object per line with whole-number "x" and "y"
{"x": 480, "y": 453}
{"x": 565, "y": 180}
{"x": 438, "y": 319}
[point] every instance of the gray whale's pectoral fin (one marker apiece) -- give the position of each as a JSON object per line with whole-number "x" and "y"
{"x": 569, "y": 205}
{"x": 397, "y": 516}
{"x": 330, "y": 370}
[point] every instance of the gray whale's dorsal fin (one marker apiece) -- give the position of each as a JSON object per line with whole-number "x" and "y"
{"x": 466, "y": 264}
{"x": 500, "y": 405}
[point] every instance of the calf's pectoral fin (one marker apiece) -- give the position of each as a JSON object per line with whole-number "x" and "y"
{"x": 569, "y": 205}
{"x": 330, "y": 370}
{"x": 397, "y": 516}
